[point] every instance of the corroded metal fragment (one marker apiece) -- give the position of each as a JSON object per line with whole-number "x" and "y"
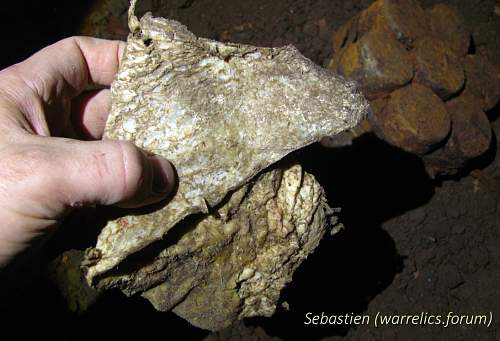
{"x": 237, "y": 227}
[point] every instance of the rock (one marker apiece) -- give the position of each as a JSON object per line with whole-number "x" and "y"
{"x": 482, "y": 81}
{"x": 235, "y": 33}
{"x": 396, "y": 52}
{"x": 448, "y": 25}
{"x": 438, "y": 67}
{"x": 372, "y": 48}
{"x": 231, "y": 236}
{"x": 470, "y": 136}
{"x": 404, "y": 20}
{"x": 344, "y": 35}
{"x": 471, "y": 133}
{"x": 412, "y": 118}
{"x": 377, "y": 62}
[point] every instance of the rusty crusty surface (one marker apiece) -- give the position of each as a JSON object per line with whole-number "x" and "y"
{"x": 378, "y": 64}
{"x": 446, "y": 24}
{"x": 403, "y": 20}
{"x": 401, "y": 120}
{"x": 220, "y": 112}
{"x": 413, "y": 63}
{"x": 482, "y": 81}
{"x": 470, "y": 137}
{"x": 438, "y": 67}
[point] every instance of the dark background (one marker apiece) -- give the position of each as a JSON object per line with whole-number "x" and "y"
{"x": 28, "y": 26}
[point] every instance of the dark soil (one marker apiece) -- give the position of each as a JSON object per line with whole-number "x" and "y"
{"x": 306, "y": 24}
{"x": 411, "y": 244}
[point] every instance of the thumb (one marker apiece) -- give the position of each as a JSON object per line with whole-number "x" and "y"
{"x": 110, "y": 172}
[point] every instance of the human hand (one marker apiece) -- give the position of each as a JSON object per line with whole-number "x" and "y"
{"x": 45, "y": 167}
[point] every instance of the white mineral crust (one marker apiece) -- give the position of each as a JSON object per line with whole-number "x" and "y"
{"x": 221, "y": 113}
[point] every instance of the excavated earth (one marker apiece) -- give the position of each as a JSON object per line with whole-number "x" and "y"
{"x": 410, "y": 244}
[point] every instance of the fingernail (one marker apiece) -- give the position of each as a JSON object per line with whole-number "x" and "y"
{"x": 163, "y": 174}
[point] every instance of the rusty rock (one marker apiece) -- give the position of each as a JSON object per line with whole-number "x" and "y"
{"x": 438, "y": 67}
{"x": 235, "y": 33}
{"x": 449, "y": 26}
{"x": 413, "y": 118}
{"x": 482, "y": 81}
{"x": 395, "y": 42}
{"x": 345, "y": 34}
{"x": 443, "y": 161}
{"x": 470, "y": 136}
{"x": 471, "y": 133}
{"x": 405, "y": 19}
{"x": 379, "y": 64}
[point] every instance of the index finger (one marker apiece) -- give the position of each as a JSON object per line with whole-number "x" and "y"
{"x": 67, "y": 67}
{"x": 102, "y": 58}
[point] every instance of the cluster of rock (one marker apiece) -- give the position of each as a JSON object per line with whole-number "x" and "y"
{"x": 428, "y": 90}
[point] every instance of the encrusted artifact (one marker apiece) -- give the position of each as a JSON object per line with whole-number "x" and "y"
{"x": 234, "y": 262}
{"x": 230, "y": 238}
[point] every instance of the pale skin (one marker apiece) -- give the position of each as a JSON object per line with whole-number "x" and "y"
{"x": 52, "y": 156}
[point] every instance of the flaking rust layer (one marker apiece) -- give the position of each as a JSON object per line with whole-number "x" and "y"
{"x": 222, "y": 113}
